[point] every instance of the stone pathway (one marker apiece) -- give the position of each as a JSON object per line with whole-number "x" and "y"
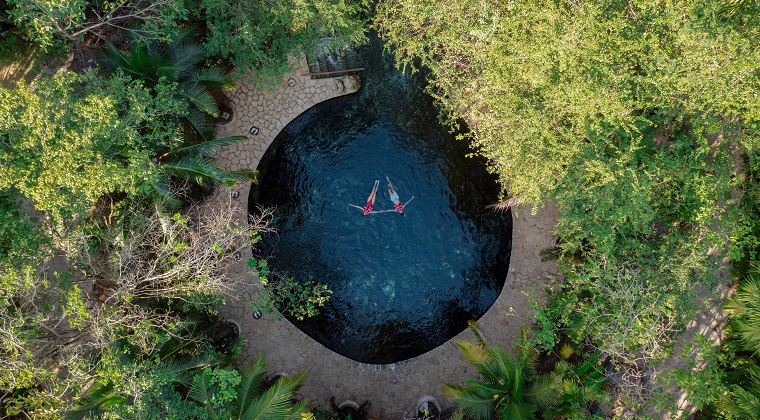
{"x": 392, "y": 389}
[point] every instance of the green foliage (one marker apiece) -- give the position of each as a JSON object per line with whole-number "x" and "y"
{"x": 299, "y": 299}
{"x": 222, "y": 383}
{"x": 250, "y": 399}
{"x": 21, "y": 240}
{"x": 258, "y": 37}
{"x": 51, "y": 24}
{"x": 744, "y": 309}
{"x": 177, "y": 61}
{"x": 10, "y": 47}
{"x": 582, "y": 387}
{"x": 616, "y": 112}
{"x": 70, "y": 139}
{"x": 130, "y": 383}
{"x": 536, "y": 106}
{"x": 745, "y": 236}
{"x": 509, "y": 387}
{"x": 704, "y": 380}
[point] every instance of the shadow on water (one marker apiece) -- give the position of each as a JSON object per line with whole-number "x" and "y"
{"x": 402, "y": 284}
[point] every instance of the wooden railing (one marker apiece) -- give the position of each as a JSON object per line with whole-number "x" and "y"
{"x": 325, "y": 73}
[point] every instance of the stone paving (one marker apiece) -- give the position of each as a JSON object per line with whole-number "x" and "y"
{"x": 392, "y": 389}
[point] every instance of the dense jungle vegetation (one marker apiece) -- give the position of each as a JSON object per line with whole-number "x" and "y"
{"x": 638, "y": 120}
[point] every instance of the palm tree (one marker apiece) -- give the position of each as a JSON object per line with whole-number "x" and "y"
{"x": 742, "y": 402}
{"x": 582, "y": 387}
{"x": 251, "y": 401}
{"x": 193, "y": 163}
{"x": 510, "y": 389}
{"x": 177, "y": 62}
{"x": 744, "y": 308}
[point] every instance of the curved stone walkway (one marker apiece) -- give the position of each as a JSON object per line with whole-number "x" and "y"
{"x": 392, "y": 389}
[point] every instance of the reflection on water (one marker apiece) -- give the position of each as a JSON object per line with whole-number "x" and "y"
{"x": 402, "y": 284}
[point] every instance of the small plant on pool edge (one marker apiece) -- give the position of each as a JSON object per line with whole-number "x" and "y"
{"x": 290, "y": 297}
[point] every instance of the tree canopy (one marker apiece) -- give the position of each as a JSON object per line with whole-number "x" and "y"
{"x": 69, "y": 139}
{"x": 257, "y": 37}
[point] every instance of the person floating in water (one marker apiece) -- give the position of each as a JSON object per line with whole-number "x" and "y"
{"x": 394, "y": 197}
{"x": 367, "y": 209}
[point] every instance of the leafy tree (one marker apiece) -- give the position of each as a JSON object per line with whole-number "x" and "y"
{"x": 230, "y": 396}
{"x": 510, "y": 387}
{"x": 153, "y": 275}
{"x": 257, "y": 37}
{"x": 616, "y": 112}
{"x": 595, "y": 74}
{"x": 131, "y": 383}
{"x": 66, "y": 141}
{"x": 48, "y": 23}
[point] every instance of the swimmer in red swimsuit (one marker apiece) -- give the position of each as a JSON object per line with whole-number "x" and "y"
{"x": 394, "y": 197}
{"x": 371, "y": 199}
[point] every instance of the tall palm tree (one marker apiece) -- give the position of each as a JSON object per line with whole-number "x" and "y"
{"x": 252, "y": 402}
{"x": 177, "y": 61}
{"x": 510, "y": 389}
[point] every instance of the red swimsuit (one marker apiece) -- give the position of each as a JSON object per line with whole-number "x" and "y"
{"x": 368, "y": 207}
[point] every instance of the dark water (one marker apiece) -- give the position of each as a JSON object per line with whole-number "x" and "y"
{"x": 402, "y": 284}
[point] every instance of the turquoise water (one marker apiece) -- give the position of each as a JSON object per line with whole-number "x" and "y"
{"x": 402, "y": 284}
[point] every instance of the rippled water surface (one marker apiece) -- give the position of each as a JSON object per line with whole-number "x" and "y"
{"x": 402, "y": 284}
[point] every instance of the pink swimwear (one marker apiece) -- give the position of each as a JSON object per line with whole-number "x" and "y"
{"x": 368, "y": 207}
{"x": 399, "y": 206}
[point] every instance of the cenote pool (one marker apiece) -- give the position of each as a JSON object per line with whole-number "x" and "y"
{"x": 403, "y": 284}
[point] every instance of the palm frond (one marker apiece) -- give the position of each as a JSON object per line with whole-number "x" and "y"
{"x": 245, "y": 175}
{"x": 200, "y": 170}
{"x": 474, "y": 402}
{"x": 544, "y": 391}
{"x": 184, "y": 58}
{"x": 211, "y": 76}
{"x": 198, "y": 96}
{"x": 297, "y": 410}
{"x": 506, "y": 205}
{"x": 747, "y": 404}
{"x": 513, "y": 410}
{"x": 479, "y": 357}
{"x": 252, "y": 377}
{"x": 458, "y": 415}
{"x": 184, "y": 34}
{"x": 274, "y": 403}
{"x": 147, "y": 65}
{"x": 99, "y": 397}
{"x": 509, "y": 368}
{"x": 159, "y": 190}
{"x": 744, "y": 309}
{"x": 111, "y": 59}
{"x": 201, "y": 391}
{"x": 473, "y": 326}
{"x": 199, "y": 122}
{"x": 207, "y": 148}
